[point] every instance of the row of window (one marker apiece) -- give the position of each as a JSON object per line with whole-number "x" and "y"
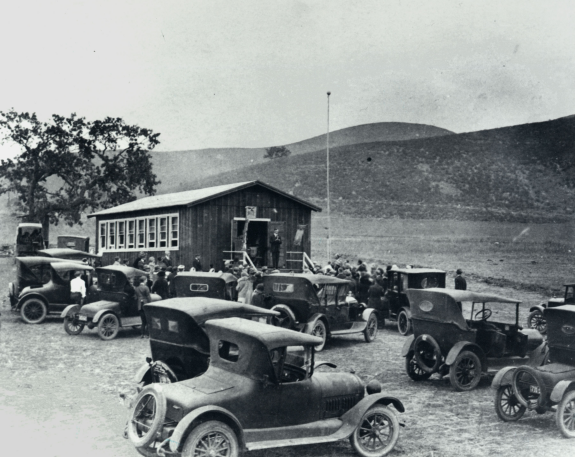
{"x": 150, "y": 232}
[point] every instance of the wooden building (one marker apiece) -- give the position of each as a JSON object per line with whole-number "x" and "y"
{"x": 209, "y": 222}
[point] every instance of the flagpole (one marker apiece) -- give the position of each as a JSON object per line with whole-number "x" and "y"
{"x": 328, "y": 207}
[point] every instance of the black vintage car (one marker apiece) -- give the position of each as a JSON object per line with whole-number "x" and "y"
{"x": 536, "y": 317}
{"x": 209, "y": 285}
{"x": 42, "y": 286}
{"x": 70, "y": 254}
{"x": 318, "y": 305}
{"x": 548, "y": 387}
{"x": 260, "y": 391}
{"x": 178, "y": 342}
{"x": 443, "y": 341}
{"x": 110, "y": 307}
{"x": 396, "y": 304}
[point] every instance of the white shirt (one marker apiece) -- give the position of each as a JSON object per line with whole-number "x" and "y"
{"x": 78, "y": 285}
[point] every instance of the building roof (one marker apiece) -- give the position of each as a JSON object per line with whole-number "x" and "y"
{"x": 192, "y": 197}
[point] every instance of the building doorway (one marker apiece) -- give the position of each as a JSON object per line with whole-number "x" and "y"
{"x": 256, "y": 239}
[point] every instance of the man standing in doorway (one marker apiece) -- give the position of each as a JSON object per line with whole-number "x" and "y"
{"x": 197, "y": 264}
{"x": 460, "y": 282}
{"x": 275, "y": 243}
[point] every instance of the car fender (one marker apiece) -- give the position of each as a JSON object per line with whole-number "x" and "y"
{"x": 462, "y": 345}
{"x": 560, "y": 389}
{"x": 540, "y": 307}
{"x": 287, "y": 309}
{"x": 368, "y": 312}
{"x": 407, "y": 311}
{"x": 503, "y": 377}
{"x": 312, "y": 320}
{"x": 184, "y": 426}
{"x": 69, "y": 310}
{"x": 23, "y": 298}
{"x": 141, "y": 373}
{"x": 408, "y": 345}
{"x": 100, "y": 313}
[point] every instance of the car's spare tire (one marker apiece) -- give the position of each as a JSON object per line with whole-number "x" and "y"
{"x": 528, "y": 387}
{"x": 427, "y": 353}
{"x": 146, "y": 416}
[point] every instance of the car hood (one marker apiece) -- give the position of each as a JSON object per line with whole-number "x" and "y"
{"x": 91, "y": 309}
{"x": 339, "y": 384}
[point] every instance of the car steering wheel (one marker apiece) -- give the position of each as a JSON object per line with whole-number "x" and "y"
{"x": 485, "y": 313}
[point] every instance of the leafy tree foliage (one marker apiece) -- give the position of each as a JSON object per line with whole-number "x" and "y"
{"x": 276, "y": 152}
{"x": 68, "y": 165}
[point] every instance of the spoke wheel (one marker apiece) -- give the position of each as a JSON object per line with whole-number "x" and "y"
{"x": 370, "y": 331}
{"x": 537, "y": 321}
{"x": 72, "y": 326}
{"x": 211, "y": 439}
{"x": 33, "y": 311}
{"x": 284, "y": 320}
{"x": 146, "y": 417}
{"x": 465, "y": 373}
{"x": 507, "y": 406}
{"x": 377, "y": 433}
{"x": 565, "y": 416}
{"x": 108, "y": 326}
{"x": 403, "y": 323}
{"x": 413, "y": 369}
{"x": 320, "y": 331}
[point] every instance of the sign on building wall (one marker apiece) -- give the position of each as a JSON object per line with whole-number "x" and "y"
{"x": 251, "y": 212}
{"x": 298, "y": 239}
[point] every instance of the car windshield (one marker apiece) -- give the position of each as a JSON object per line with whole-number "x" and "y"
{"x": 292, "y": 363}
{"x": 503, "y": 313}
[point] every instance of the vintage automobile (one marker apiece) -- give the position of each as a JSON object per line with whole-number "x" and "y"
{"x": 29, "y": 239}
{"x": 399, "y": 280}
{"x": 547, "y": 387}
{"x": 253, "y": 396}
{"x": 178, "y": 341}
{"x": 42, "y": 286}
{"x": 79, "y": 243}
{"x": 111, "y": 309}
{"x": 69, "y": 254}
{"x": 318, "y": 305}
{"x": 536, "y": 317}
{"x": 443, "y": 341}
{"x": 211, "y": 285}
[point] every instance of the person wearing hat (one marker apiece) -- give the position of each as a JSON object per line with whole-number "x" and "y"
{"x": 77, "y": 289}
{"x": 275, "y": 243}
{"x": 143, "y": 296}
{"x": 139, "y": 262}
{"x": 161, "y": 286}
{"x": 166, "y": 260}
{"x": 460, "y": 282}
{"x": 244, "y": 287}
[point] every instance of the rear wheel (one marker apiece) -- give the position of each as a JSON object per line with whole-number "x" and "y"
{"x": 284, "y": 320}
{"x": 146, "y": 417}
{"x": 465, "y": 373}
{"x": 108, "y": 326}
{"x": 565, "y": 416}
{"x": 537, "y": 321}
{"x": 320, "y": 331}
{"x": 377, "y": 432}
{"x": 507, "y": 406}
{"x": 413, "y": 370}
{"x": 33, "y": 311}
{"x": 213, "y": 439}
{"x": 72, "y": 326}
{"x": 403, "y": 323}
{"x": 370, "y": 331}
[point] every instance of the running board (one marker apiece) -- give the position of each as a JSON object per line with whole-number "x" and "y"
{"x": 355, "y": 328}
{"x": 130, "y": 321}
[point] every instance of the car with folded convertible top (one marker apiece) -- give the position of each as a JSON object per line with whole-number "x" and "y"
{"x": 253, "y": 396}
{"x": 550, "y": 387}
{"x": 444, "y": 342}
{"x": 536, "y": 318}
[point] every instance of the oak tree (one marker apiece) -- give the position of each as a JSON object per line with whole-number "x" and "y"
{"x": 275, "y": 152}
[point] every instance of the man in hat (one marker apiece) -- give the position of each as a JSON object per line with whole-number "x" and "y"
{"x": 197, "y": 264}
{"x": 143, "y": 296}
{"x": 139, "y": 262}
{"x": 275, "y": 243}
{"x": 460, "y": 282}
{"x": 161, "y": 286}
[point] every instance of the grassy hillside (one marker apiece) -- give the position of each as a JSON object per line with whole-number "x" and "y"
{"x": 520, "y": 173}
{"x": 179, "y": 170}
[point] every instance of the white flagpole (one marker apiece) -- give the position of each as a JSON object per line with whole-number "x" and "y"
{"x": 328, "y": 209}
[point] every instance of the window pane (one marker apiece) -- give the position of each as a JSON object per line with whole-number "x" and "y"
{"x": 228, "y": 351}
{"x": 152, "y": 232}
{"x": 174, "y": 232}
{"x": 131, "y": 235}
{"x": 199, "y": 287}
{"x": 173, "y": 326}
{"x": 121, "y": 233}
{"x": 103, "y": 235}
{"x": 111, "y": 235}
{"x": 163, "y": 232}
{"x": 141, "y": 233}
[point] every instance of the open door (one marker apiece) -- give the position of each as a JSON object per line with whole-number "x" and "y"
{"x": 281, "y": 226}
{"x": 237, "y": 237}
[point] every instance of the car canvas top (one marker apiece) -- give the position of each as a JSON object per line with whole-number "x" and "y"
{"x": 314, "y": 279}
{"x": 64, "y": 266}
{"x": 416, "y": 270}
{"x": 463, "y": 295}
{"x": 227, "y": 277}
{"x": 129, "y": 272}
{"x": 63, "y": 252}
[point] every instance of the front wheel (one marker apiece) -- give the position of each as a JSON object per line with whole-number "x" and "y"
{"x": 537, "y": 321}
{"x": 33, "y": 311}
{"x": 72, "y": 326}
{"x": 212, "y": 438}
{"x": 377, "y": 432}
{"x": 320, "y": 331}
{"x": 565, "y": 416}
{"x": 413, "y": 369}
{"x": 108, "y": 326}
{"x": 507, "y": 406}
{"x": 370, "y": 331}
{"x": 465, "y": 373}
{"x": 403, "y": 323}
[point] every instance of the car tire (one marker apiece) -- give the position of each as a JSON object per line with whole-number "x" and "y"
{"x": 413, "y": 369}
{"x": 202, "y": 440}
{"x": 378, "y": 422}
{"x": 320, "y": 330}
{"x": 33, "y": 311}
{"x": 403, "y": 323}
{"x": 565, "y": 415}
{"x": 465, "y": 372}
{"x": 146, "y": 417}
{"x": 284, "y": 320}
{"x": 108, "y": 326}
{"x": 522, "y": 375}
{"x": 426, "y": 350}
{"x": 507, "y": 406}
{"x": 370, "y": 332}
{"x": 72, "y": 326}
{"x": 536, "y": 321}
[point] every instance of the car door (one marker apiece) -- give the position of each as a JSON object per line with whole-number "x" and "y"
{"x": 58, "y": 294}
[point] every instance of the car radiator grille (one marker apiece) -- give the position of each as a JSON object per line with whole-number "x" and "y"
{"x": 336, "y": 406}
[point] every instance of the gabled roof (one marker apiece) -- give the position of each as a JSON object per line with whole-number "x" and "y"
{"x": 192, "y": 197}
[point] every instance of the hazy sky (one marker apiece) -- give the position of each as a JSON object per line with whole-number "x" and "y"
{"x": 255, "y": 73}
